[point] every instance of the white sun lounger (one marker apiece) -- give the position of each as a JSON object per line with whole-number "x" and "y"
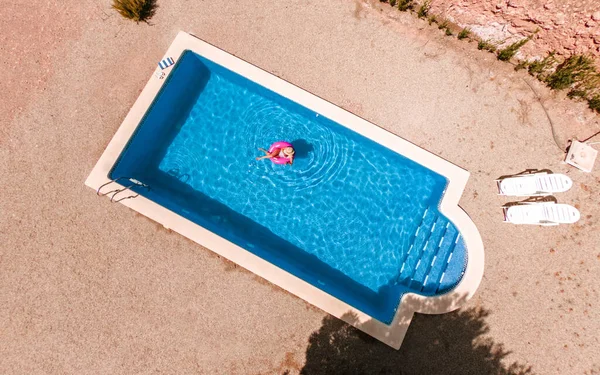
{"x": 546, "y": 213}
{"x": 534, "y": 184}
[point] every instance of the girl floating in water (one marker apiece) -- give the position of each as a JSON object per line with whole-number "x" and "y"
{"x": 279, "y": 153}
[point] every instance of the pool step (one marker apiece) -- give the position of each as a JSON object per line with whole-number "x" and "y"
{"x": 454, "y": 267}
{"x": 437, "y": 273}
{"x": 430, "y": 255}
{"x": 422, "y": 234}
{"x": 429, "y": 266}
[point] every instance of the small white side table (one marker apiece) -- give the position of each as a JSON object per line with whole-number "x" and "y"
{"x": 581, "y": 156}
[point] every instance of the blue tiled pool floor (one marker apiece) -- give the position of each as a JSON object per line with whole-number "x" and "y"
{"x": 363, "y": 211}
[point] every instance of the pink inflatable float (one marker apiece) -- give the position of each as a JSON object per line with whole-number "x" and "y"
{"x": 280, "y": 145}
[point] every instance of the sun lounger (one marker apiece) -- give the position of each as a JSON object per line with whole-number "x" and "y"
{"x": 534, "y": 184}
{"x": 546, "y": 213}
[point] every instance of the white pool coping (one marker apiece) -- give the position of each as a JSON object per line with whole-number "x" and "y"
{"x": 392, "y": 334}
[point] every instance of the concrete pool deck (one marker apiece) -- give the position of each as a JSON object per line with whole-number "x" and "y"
{"x": 89, "y": 286}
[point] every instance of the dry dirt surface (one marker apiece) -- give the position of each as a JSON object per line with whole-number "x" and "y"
{"x": 567, "y": 27}
{"x": 90, "y": 287}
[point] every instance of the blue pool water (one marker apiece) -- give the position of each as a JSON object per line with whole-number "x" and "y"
{"x": 350, "y": 216}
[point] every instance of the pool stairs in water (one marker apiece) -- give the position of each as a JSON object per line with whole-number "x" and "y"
{"x": 430, "y": 259}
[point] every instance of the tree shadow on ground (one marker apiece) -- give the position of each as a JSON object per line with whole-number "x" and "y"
{"x": 453, "y": 343}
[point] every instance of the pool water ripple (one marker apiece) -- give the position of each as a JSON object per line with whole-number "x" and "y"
{"x": 350, "y": 202}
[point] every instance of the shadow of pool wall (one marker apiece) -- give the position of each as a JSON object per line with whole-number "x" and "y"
{"x": 164, "y": 118}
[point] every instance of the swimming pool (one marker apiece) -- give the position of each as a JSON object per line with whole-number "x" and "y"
{"x": 356, "y": 225}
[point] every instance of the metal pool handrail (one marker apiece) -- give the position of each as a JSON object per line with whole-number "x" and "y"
{"x": 117, "y": 191}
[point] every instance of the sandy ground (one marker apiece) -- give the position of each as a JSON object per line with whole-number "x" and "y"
{"x": 87, "y": 286}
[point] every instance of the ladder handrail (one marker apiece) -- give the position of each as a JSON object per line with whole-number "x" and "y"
{"x": 134, "y": 182}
